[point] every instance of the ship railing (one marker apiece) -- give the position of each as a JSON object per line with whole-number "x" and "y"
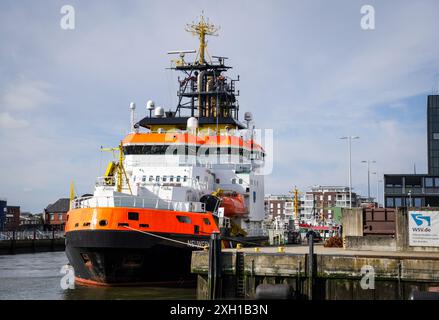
{"x": 31, "y": 235}
{"x": 138, "y": 202}
{"x": 105, "y": 181}
{"x": 255, "y": 232}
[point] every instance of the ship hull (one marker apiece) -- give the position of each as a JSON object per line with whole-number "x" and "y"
{"x": 113, "y": 257}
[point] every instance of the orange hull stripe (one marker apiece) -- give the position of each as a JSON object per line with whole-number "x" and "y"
{"x": 150, "y": 220}
{"x": 92, "y": 283}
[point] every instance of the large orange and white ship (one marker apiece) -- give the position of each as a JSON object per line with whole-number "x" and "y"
{"x": 180, "y": 176}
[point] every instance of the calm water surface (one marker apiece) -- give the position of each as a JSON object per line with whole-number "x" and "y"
{"x": 37, "y": 276}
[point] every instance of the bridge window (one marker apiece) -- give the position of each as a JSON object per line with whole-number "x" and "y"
{"x": 184, "y": 219}
{"x": 133, "y": 216}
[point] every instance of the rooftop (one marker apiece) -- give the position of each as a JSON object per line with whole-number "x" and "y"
{"x": 61, "y": 205}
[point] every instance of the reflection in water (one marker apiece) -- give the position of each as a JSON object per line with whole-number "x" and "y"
{"x": 37, "y": 276}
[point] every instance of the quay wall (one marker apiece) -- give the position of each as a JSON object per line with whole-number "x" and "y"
{"x": 335, "y": 276}
{"x": 31, "y": 246}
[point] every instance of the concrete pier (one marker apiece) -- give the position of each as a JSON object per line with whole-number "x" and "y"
{"x": 338, "y": 272}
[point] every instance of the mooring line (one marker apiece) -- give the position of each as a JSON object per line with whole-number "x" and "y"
{"x": 164, "y": 238}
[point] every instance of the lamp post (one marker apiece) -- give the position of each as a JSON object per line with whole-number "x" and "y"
{"x": 350, "y": 138}
{"x": 381, "y": 181}
{"x": 368, "y": 176}
{"x": 378, "y": 189}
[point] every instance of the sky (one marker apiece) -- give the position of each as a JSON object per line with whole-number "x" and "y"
{"x": 307, "y": 68}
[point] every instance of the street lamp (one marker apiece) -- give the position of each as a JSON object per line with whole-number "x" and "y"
{"x": 378, "y": 189}
{"x": 350, "y": 138}
{"x": 381, "y": 181}
{"x": 368, "y": 176}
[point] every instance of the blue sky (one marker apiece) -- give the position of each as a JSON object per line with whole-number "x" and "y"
{"x": 307, "y": 70}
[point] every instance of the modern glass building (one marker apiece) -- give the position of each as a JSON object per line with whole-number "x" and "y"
{"x": 433, "y": 134}
{"x": 411, "y": 190}
{"x": 3, "y": 209}
{"x": 418, "y": 190}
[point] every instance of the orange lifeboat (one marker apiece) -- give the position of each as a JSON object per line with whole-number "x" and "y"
{"x": 233, "y": 204}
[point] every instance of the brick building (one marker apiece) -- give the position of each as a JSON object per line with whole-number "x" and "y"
{"x": 12, "y": 218}
{"x": 55, "y": 214}
{"x": 281, "y": 206}
{"x": 321, "y": 201}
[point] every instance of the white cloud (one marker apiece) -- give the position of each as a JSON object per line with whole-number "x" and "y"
{"x": 8, "y": 122}
{"x": 24, "y": 95}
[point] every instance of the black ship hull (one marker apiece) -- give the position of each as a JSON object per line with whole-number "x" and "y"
{"x": 101, "y": 257}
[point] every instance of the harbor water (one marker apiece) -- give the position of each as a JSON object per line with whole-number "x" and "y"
{"x": 38, "y": 276}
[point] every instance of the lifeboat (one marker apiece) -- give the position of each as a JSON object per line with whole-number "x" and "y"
{"x": 232, "y": 202}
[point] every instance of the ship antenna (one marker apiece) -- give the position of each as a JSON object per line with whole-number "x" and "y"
{"x": 202, "y": 29}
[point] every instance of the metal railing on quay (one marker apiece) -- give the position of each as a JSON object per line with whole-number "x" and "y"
{"x": 31, "y": 235}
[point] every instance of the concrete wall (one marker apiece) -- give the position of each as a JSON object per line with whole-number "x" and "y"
{"x": 355, "y": 239}
{"x": 371, "y": 243}
{"x": 402, "y": 229}
{"x": 337, "y": 276}
{"x": 352, "y": 222}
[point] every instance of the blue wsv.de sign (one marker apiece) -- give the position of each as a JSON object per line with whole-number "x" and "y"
{"x": 423, "y": 228}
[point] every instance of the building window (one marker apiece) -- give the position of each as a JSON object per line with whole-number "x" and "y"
{"x": 233, "y": 181}
{"x": 398, "y": 202}
{"x": 240, "y": 181}
{"x": 390, "y": 203}
{"x": 52, "y": 217}
{"x": 60, "y": 217}
{"x": 178, "y": 178}
{"x": 418, "y": 202}
{"x": 164, "y": 178}
{"x": 184, "y": 178}
{"x": 151, "y": 178}
{"x": 171, "y": 178}
{"x": 157, "y": 178}
{"x": 435, "y": 136}
{"x": 429, "y": 182}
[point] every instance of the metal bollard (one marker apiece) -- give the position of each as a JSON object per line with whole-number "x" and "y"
{"x": 310, "y": 266}
{"x": 215, "y": 266}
